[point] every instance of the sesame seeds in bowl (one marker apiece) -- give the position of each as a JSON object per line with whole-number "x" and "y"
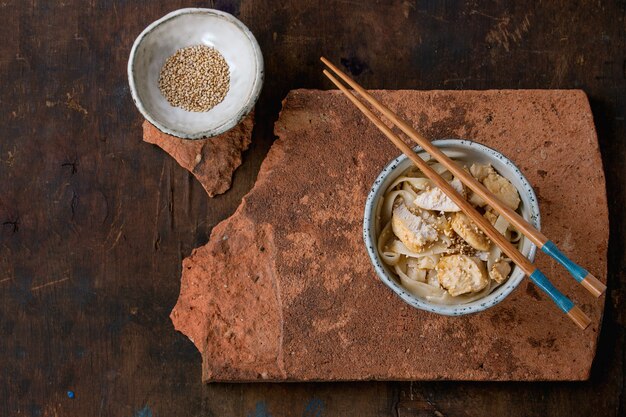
{"x": 195, "y": 78}
{"x": 195, "y": 73}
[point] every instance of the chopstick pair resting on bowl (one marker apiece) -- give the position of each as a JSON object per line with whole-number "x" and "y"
{"x": 592, "y": 284}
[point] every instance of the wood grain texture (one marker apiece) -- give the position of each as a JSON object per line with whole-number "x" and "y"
{"x": 94, "y": 223}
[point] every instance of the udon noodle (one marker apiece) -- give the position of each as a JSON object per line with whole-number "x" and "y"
{"x": 435, "y": 250}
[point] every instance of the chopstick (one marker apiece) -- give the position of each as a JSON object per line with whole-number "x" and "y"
{"x": 564, "y": 303}
{"x": 585, "y": 278}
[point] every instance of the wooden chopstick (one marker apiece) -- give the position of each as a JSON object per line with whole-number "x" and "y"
{"x": 591, "y": 283}
{"x": 575, "y": 313}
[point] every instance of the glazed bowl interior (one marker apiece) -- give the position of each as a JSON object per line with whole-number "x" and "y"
{"x": 466, "y": 152}
{"x": 188, "y": 27}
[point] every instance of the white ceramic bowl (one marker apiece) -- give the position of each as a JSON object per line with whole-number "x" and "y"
{"x": 188, "y": 27}
{"x": 461, "y": 150}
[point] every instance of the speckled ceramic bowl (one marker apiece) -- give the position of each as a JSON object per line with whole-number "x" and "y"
{"x": 462, "y": 150}
{"x": 188, "y": 27}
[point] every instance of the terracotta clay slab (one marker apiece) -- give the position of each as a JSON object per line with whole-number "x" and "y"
{"x": 284, "y": 289}
{"x": 213, "y": 160}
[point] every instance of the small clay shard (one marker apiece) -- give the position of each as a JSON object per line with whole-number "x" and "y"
{"x": 213, "y": 160}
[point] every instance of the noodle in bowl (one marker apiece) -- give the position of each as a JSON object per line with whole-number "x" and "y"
{"x": 390, "y": 252}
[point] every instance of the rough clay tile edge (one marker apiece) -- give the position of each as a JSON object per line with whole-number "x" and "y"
{"x": 598, "y": 156}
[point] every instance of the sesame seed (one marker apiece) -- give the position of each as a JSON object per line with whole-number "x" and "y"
{"x": 196, "y": 78}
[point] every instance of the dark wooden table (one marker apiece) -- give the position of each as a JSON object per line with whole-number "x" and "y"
{"x": 94, "y": 223}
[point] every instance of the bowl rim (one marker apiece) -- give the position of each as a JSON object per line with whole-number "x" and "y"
{"x": 457, "y": 309}
{"x": 245, "y": 109}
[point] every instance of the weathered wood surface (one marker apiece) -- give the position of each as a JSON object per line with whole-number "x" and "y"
{"x": 95, "y": 223}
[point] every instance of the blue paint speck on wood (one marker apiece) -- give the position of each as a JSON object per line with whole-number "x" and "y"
{"x": 70, "y": 394}
{"x": 260, "y": 410}
{"x": 314, "y": 408}
{"x": 144, "y": 412}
